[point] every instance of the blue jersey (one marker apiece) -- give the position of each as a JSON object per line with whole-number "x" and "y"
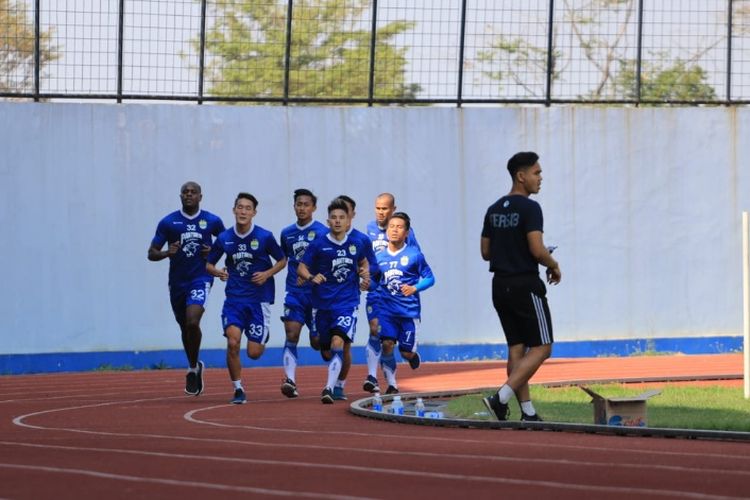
{"x": 247, "y": 254}
{"x": 363, "y": 239}
{"x": 380, "y": 240}
{"x": 339, "y": 263}
{"x": 187, "y": 264}
{"x": 294, "y": 242}
{"x": 404, "y": 267}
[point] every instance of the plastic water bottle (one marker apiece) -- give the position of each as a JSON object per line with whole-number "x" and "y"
{"x": 397, "y": 407}
{"x": 419, "y": 408}
{"x": 377, "y": 402}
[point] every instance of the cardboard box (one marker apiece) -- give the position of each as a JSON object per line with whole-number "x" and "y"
{"x": 625, "y": 412}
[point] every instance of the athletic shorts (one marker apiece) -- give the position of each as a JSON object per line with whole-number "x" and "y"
{"x": 402, "y": 330}
{"x": 194, "y": 293}
{"x": 372, "y": 303}
{"x": 521, "y": 305}
{"x": 298, "y": 308}
{"x": 252, "y": 318}
{"x": 339, "y": 322}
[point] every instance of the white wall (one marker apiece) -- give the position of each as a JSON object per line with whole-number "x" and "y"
{"x": 644, "y": 205}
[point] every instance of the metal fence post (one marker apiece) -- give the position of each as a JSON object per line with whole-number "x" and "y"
{"x": 373, "y": 41}
{"x": 37, "y": 49}
{"x": 550, "y": 57}
{"x": 202, "y": 55}
{"x": 462, "y": 44}
{"x": 729, "y": 51}
{"x": 639, "y": 55}
{"x": 120, "y": 36}
{"x": 288, "y": 50}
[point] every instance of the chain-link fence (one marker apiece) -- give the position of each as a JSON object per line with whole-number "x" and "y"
{"x": 378, "y": 51}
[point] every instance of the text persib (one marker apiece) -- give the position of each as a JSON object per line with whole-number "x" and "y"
{"x": 505, "y": 220}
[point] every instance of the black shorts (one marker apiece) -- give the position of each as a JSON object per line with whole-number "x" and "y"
{"x": 521, "y": 305}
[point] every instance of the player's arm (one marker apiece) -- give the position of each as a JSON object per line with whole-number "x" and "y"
{"x": 543, "y": 256}
{"x": 156, "y": 254}
{"x": 213, "y": 257}
{"x": 304, "y": 273}
{"x": 363, "y": 270}
{"x": 426, "y": 280}
{"x": 484, "y": 248}
{"x": 262, "y": 276}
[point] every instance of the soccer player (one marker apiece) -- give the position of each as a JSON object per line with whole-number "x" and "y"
{"x": 404, "y": 273}
{"x": 385, "y": 206}
{"x": 512, "y": 242}
{"x": 185, "y": 231}
{"x": 295, "y": 239}
{"x": 249, "y": 290}
{"x": 351, "y": 205}
{"x": 333, "y": 265}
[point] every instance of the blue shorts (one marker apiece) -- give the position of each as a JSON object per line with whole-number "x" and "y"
{"x": 252, "y": 318}
{"x": 298, "y": 308}
{"x": 371, "y": 306}
{"x": 194, "y": 293}
{"x": 402, "y": 330}
{"x": 339, "y": 322}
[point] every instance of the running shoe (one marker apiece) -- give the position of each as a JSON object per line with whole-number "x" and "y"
{"x": 338, "y": 394}
{"x": 289, "y": 388}
{"x": 326, "y": 397}
{"x": 391, "y": 390}
{"x": 199, "y": 377}
{"x": 530, "y": 418}
{"x": 497, "y": 408}
{"x": 239, "y": 397}
{"x": 191, "y": 383}
{"x": 371, "y": 385}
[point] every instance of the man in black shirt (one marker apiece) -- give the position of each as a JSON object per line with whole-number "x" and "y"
{"x": 512, "y": 243}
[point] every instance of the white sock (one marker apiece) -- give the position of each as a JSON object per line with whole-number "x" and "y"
{"x": 390, "y": 376}
{"x": 334, "y": 368}
{"x": 505, "y": 393}
{"x": 373, "y": 360}
{"x": 237, "y": 384}
{"x": 528, "y": 408}
{"x": 340, "y": 383}
{"x": 290, "y": 364}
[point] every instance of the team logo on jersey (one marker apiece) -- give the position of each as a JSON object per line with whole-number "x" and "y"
{"x": 243, "y": 268}
{"x": 506, "y": 203}
{"x": 352, "y": 249}
{"x": 191, "y": 248}
{"x": 254, "y": 244}
{"x": 311, "y": 236}
{"x": 404, "y": 260}
{"x": 202, "y": 224}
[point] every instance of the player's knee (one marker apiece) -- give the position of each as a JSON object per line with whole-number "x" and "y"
{"x": 255, "y": 351}
{"x": 326, "y": 355}
{"x": 388, "y": 345}
{"x": 406, "y": 354}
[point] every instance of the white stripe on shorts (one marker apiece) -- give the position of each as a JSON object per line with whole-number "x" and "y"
{"x": 266, "y": 308}
{"x": 541, "y": 319}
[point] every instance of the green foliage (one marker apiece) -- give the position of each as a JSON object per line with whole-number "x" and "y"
{"x": 679, "y": 82}
{"x": 712, "y": 407}
{"x": 330, "y": 50}
{"x": 17, "y": 48}
{"x": 108, "y": 367}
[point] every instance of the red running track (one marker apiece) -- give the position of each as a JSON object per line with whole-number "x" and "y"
{"x": 133, "y": 435}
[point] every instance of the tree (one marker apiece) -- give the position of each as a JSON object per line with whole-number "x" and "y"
{"x": 330, "y": 51}
{"x": 17, "y": 48}
{"x": 663, "y": 78}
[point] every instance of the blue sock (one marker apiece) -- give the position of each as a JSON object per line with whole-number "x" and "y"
{"x": 375, "y": 344}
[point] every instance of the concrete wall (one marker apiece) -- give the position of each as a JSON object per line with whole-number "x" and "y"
{"x": 644, "y": 205}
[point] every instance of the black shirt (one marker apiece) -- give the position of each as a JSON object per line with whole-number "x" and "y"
{"x": 506, "y": 224}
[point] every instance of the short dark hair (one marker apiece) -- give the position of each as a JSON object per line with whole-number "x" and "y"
{"x": 246, "y": 196}
{"x": 520, "y": 161}
{"x": 404, "y": 217}
{"x": 348, "y": 200}
{"x": 305, "y": 192}
{"x": 338, "y": 204}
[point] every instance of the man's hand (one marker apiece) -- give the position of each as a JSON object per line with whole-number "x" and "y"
{"x": 554, "y": 275}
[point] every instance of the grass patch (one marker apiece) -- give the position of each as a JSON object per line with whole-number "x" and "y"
{"x": 107, "y": 367}
{"x": 677, "y": 407}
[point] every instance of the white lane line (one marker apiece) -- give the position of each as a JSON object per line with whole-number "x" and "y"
{"x": 174, "y": 482}
{"x": 20, "y": 421}
{"x": 394, "y": 472}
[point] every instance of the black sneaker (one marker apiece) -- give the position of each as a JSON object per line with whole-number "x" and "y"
{"x": 391, "y": 390}
{"x": 415, "y": 361}
{"x": 289, "y": 388}
{"x": 371, "y": 385}
{"x": 497, "y": 408}
{"x": 530, "y": 418}
{"x": 199, "y": 377}
{"x": 239, "y": 397}
{"x": 326, "y": 397}
{"x": 191, "y": 383}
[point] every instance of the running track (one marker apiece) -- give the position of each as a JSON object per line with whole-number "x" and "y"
{"x": 133, "y": 435}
